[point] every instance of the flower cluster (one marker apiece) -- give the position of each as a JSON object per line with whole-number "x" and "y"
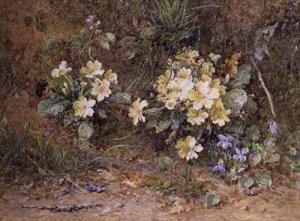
{"x": 94, "y": 86}
{"x": 98, "y": 81}
{"x": 189, "y": 97}
{"x": 92, "y": 23}
{"x": 189, "y": 85}
{"x": 229, "y": 153}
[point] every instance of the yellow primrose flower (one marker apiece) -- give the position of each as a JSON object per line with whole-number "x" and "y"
{"x": 100, "y": 89}
{"x": 111, "y": 77}
{"x": 173, "y": 90}
{"x": 163, "y": 80}
{"x": 188, "y": 149}
{"x": 207, "y": 69}
{"x": 92, "y": 69}
{"x": 170, "y": 104}
{"x": 208, "y": 94}
{"x": 83, "y": 107}
{"x": 61, "y": 70}
{"x": 178, "y": 89}
{"x": 196, "y": 98}
{"x": 196, "y": 116}
{"x": 216, "y": 83}
{"x": 219, "y": 114}
{"x": 136, "y": 111}
{"x": 189, "y": 56}
{"x": 215, "y": 57}
{"x": 185, "y": 73}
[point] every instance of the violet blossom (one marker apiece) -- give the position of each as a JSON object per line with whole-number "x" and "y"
{"x": 92, "y": 23}
{"x": 225, "y": 141}
{"x": 219, "y": 168}
{"x": 240, "y": 154}
{"x": 273, "y": 128}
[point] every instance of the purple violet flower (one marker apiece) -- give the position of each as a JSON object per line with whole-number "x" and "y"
{"x": 240, "y": 154}
{"x": 273, "y": 128}
{"x": 91, "y": 22}
{"x": 219, "y": 168}
{"x": 91, "y": 187}
{"x": 225, "y": 141}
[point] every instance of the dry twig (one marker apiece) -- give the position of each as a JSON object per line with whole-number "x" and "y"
{"x": 265, "y": 88}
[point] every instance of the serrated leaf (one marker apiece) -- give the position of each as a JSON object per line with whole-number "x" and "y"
{"x": 151, "y": 124}
{"x": 163, "y": 125}
{"x": 153, "y": 111}
{"x": 85, "y": 131}
{"x": 121, "y": 98}
{"x": 53, "y": 107}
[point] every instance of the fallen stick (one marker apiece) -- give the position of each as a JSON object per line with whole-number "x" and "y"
{"x": 64, "y": 209}
{"x": 265, "y": 88}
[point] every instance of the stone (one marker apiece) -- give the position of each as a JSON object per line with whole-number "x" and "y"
{"x": 264, "y": 180}
{"x": 212, "y": 199}
{"x": 246, "y": 182}
{"x": 110, "y": 37}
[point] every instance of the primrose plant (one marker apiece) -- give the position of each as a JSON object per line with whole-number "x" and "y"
{"x": 78, "y": 95}
{"x": 189, "y": 101}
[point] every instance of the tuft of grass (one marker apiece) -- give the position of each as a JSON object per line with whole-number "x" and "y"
{"x": 33, "y": 153}
{"x": 173, "y": 21}
{"x": 173, "y": 26}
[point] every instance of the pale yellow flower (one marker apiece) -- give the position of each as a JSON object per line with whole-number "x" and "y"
{"x": 170, "y": 104}
{"x": 215, "y": 57}
{"x": 178, "y": 89}
{"x": 100, "y": 89}
{"x": 219, "y": 114}
{"x": 163, "y": 80}
{"x": 196, "y": 117}
{"x": 136, "y": 111}
{"x": 188, "y": 149}
{"x": 207, "y": 69}
{"x": 216, "y": 83}
{"x": 61, "y": 70}
{"x": 197, "y": 99}
{"x": 111, "y": 77}
{"x": 185, "y": 73}
{"x": 84, "y": 107}
{"x": 208, "y": 94}
{"x": 92, "y": 69}
{"x": 189, "y": 56}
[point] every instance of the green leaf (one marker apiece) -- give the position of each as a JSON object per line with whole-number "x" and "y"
{"x": 151, "y": 124}
{"x": 163, "y": 125}
{"x": 53, "y": 107}
{"x": 153, "y": 111}
{"x": 85, "y": 131}
{"x": 121, "y": 98}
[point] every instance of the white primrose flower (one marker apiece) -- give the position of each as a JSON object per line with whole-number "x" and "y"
{"x": 208, "y": 94}
{"x": 100, "y": 89}
{"x": 188, "y": 149}
{"x": 61, "y": 70}
{"x": 136, "y": 111}
{"x": 92, "y": 69}
{"x": 84, "y": 107}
